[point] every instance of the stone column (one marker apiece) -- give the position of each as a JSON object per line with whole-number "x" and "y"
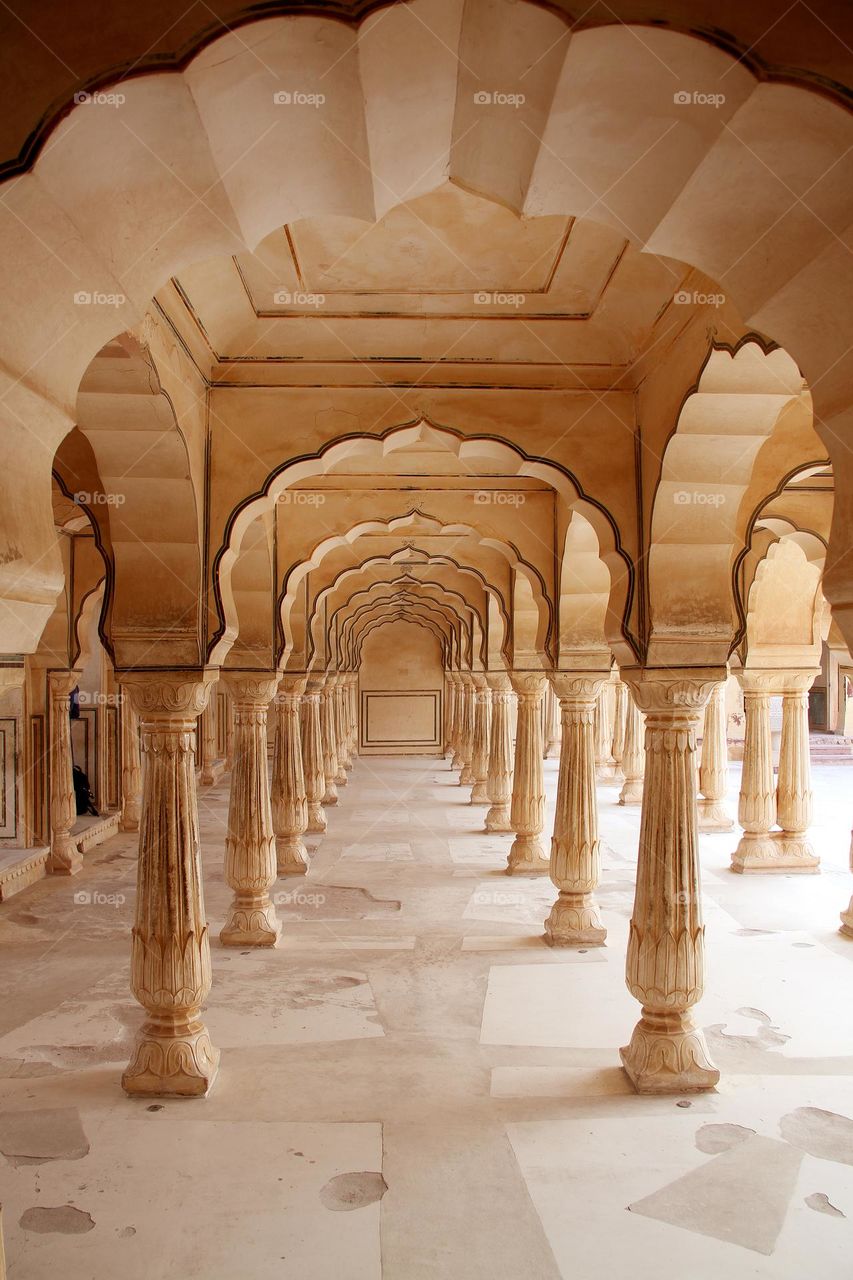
{"x": 65, "y": 857}
{"x": 131, "y": 767}
{"x": 229, "y": 732}
{"x": 634, "y": 753}
{"x": 481, "y": 741}
{"x": 345, "y": 721}
{"x": 336, "y": 690}
{"x": 575, "y": 860}
{"x": 208, "y": 741}
{"x": 447, "y": 729}
{"x": 617, "y": 742}
{"x": 312, "y": 755}
{"x": 354, "y": 711}
{"x": 757, "y": 802}
{"x": 603, "y": 737}
{"x": 466, "y": 777}
{"x": 713, "y": 770}
{"x": 327, "y": 727}
{"x": 665, "y": 961}
{"x": 170, "y": 950}
{"x": 250, "y": 857}
{"x": 527, "y": 812}
{"x": 458, "y": 720}
{"x": 552, "y": 725}
{"x": 499, "y": 780}
{"x": 289, "y": 802}
{"x": 793, "y": 791}
{"x": 846, "y": 926}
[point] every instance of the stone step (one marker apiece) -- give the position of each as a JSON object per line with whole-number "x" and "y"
{"x": 20, "y": 868}
{"x": 91, "y": 831}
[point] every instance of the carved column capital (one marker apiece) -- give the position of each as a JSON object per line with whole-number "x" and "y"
{"x": 578, "y": 686}
{"x": 670, "y": 695}
{"x": 62, "y": 683}
{"x": 292, "y": 686}
{"x": 499, "y": 682}
{"x": 528, "y": 685}
{"x": 251, "y": 690}
{"x": 169, "y": 695}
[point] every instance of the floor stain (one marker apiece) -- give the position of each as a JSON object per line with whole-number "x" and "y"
{"x": 821, "y": 1204}
{"x": 63, "y": 1219}
{"x": 53, "y": 1133}
{"x": 353, "y": 1191}
{"x": 824, "y": 1134}
{"x": 714, "y": 1138}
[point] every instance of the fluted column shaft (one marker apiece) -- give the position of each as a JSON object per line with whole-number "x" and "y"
{"x": 634, "y": 753}
{"x": 458, "y": 721}
{"x": 338, "y": 726}
{"x": 208, "y": 741}
{"x": 603, "y": 737}
{"x": 170, "y": 949}
{"x": 713, "y": 768}
{"x": 756, "y": 849}
{"x": 327, "y": 728}
{"x": 499, "y": 779}
{"x": 131, "y": 767}
{"x": 344, "y": 703}
{"x": 665, "y": 960}
{"x": 250, "y": 855}
{"x": 466, "y": 747}
{"x": 229, "y": 732}
{"x": 575, "y": 859}
{"x": 447, "y": 728}
{"x": 65, "y": 857}
{"x": 617, "y": 742}
{"x": 552, "y": 725}
{"x": 481, "y": 741}
{"x": 527, "y": 811}
{"x": 289, "y": 801}
{"x": 793, "y": 788}
{"x": 312, "y": 756}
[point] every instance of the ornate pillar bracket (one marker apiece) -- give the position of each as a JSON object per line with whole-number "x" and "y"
{"x": 170, "y": 950}
{"x": 574, "y": 920}
{"x": 250, "y": 857}
{"x": 527, "y": 811}
{"x": 312, "y": 755}
{"x": 634, "y": 753}
{"x": 665, "y": 960}
{"x": 499, "y": 779}
{"x": 795, "y": 853}
{"x": 713, "y": 767}
{"x": 481, "y": 740}
{"x": 289, "y": 801}
{"x": 131, "y": 767}
{"x": 65, "y": 857}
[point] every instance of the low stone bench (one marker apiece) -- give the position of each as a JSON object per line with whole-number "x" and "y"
{"x": 20, "y": 868}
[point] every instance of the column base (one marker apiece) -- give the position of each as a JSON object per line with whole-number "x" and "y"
{"x": 605, "y": 772}
{"x": 65, "y": 858}
{"x": 574, "y": 922}
{"x": 316, "y": 820}
{"x": 466, "y": 777}
{"x": 291, "y": 856}
{"x": 251, "y": 926}
{"x": 331, "y": 794}
{"x": 776, "y": 854}
{"x": 348, "y": 765}
{"x": 497, "y": 819}
{"x": 457, "y": 762}
{"x": 526, "y": 857}
{"x": 178, "y": 1066}
{"x": 632, "y": 791}
{"x": 212, "y": 773}
{"x": 846, "y": 917}
{"x": 479, "y": 793}
{"x": 713, "y": 816}
{"x": 668, "y": 1054}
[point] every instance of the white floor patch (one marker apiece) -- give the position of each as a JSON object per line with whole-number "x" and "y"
{"x": 482, "y": 850}
{"x": 515, "y": 900}
{"x": 379, "y": 852}
{"x": 346, "y": 942}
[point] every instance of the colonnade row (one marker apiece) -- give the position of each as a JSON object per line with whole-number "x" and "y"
{"x": 639, "y": 730}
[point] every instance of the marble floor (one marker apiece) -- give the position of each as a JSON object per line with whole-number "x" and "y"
{"x": 413, "y": 1085}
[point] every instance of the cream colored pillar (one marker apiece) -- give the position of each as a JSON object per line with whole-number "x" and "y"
{"x": 250, "y": 856}
{"x": 208, "y": 741}
{"x": 795, "y": 852}
{"x": 229, "y": 732}
{"x": 757, "y": 803}
{"x": 846, "y": 926}
{"x": 131, "y": 767}
{"x": 447, "y": 729}
{"x": 575, "y": 860}
{"x": 346, "y": 719}
{"x": 552, "y": 725}
{"x": 170, "y": 951}
{"x": 289, "y": 801}
{"x": 527, "y": 811}
{"x": 458, "y": 721}
{"x": 481, "y": 741}
{"x": 665, "y": 961}
{"x": 499, "y": 781}
{"x": 603, "y": 737}
{"x": 338, "y": 725}
{"x": 466, "y": 777}
{"x": 352, "y": 714}
{"x": 713, "y": 769}
{"x": 312, "y": 755}
{"x": 634, "y": 753}
{"x": 617, "y": 742}
{"x": 65, "y": 858}
{"x": 327, "y": 728}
